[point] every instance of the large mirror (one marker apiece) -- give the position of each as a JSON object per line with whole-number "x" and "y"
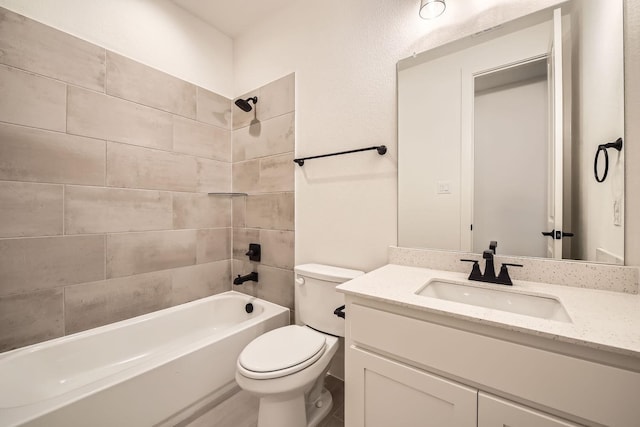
{"x": 499, "y": 133}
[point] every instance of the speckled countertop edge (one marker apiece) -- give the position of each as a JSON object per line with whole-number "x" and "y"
{"x": 594, "y": 324}
{"x": 577, "y": 274}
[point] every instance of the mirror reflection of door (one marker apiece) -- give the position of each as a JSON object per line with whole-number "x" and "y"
{"x": 510, "y": 183}
{"x": 518, "y": 154}
{"x": 556, "y": 143}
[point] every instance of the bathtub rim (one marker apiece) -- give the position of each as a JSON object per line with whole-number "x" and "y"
{"x": 31, "y": 411}
{"x": 132, "y": 320}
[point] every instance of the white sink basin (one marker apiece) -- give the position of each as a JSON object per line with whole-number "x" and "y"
{"x": 544, "y": 307}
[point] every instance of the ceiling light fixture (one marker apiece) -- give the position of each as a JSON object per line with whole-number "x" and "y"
{"x": 430, "y": 9}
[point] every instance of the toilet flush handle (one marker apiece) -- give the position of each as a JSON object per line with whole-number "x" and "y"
{"x": 300, "y": 280}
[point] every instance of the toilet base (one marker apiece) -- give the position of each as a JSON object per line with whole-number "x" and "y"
{"x": 316, "y": 414}
{"x": 294, "y": 412}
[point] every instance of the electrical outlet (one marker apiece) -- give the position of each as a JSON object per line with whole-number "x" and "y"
{"x": 617, "y": 214}
{"x": 444, "y": 187}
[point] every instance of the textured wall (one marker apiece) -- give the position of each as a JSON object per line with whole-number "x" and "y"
{"x": 157, "y": 33}
{"x": 263, "y": 144}
{"x": 344, "y": 55}
{"x": 345, "y": 69}
{"x": 632, "y": 131}
{"x": 598, "y": 118}
{"x": 104, "y": 168}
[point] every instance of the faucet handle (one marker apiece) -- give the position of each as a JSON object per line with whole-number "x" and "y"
{"x": 254, "y": 252}
{"x": 476, "y": 274}
{"x": 503, "y": 277}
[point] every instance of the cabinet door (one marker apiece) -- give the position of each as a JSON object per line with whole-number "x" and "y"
{"x": 385, "y": 393}
{"x": 496, "y": 412}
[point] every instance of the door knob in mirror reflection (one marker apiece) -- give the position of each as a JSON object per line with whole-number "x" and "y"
{"x": 557, "y": 234}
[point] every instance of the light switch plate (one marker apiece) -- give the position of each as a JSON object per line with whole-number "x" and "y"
{"x": 444, "y": 187}
{"x": 617, "y": 213}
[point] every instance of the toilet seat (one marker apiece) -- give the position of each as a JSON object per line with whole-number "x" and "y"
{"x": 280, "y": 352}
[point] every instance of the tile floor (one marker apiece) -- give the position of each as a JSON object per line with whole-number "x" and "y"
{"x": 241, "y": 410}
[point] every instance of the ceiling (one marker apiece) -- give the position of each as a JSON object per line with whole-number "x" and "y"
{"x": 232, "y": 17}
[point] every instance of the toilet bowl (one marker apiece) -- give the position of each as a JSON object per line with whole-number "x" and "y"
{"x": 285, "y": 367}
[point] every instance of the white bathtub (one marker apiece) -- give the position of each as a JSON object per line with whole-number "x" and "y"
{"x": 138, "y": 372}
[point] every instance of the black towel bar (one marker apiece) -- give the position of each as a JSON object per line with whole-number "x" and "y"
{"x": 381, "y": 150}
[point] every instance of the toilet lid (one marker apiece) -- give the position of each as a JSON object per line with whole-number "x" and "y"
{"x": 281, "y": 349}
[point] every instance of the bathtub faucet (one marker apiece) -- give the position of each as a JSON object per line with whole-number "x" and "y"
{"x": 241, "y": 279}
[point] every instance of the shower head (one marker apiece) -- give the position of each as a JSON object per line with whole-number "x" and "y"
{"x": 244, "y": 105}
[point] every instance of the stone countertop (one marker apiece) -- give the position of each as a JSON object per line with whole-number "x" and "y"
{"x": 601, "y": 319}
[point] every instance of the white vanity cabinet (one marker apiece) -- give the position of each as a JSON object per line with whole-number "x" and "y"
{"x": 405, "y": 367}
{"x": 394, "y": 394}
{"x": 496, "y": 412}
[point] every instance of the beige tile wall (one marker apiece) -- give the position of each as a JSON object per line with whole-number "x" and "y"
{"x": 263, "y": 167}
{"x": 104, "y": 168}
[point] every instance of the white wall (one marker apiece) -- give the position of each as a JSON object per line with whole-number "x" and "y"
{"x": 429, "y": 101}
{"x": 344, "y": 54}
{"x": 599, "y": 119}
{"x": 632, "y": 130}
{"x": 155, "y": 32}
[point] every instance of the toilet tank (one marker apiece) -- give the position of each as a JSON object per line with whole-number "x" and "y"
{"x": 316, "y": 297}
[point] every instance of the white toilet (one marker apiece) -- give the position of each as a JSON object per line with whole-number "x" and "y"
{"x": 286, "y": 367}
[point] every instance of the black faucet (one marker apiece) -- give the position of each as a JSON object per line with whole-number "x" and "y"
{"x": 253, "y": 276}
{"x": 489, "y": 270}
{"x": 489, "y": 275}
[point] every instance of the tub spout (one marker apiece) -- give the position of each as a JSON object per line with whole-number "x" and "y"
{"x": 241, "y": 279}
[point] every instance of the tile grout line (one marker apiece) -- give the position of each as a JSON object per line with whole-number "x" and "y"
{"x": 100, "y": 233}
{"x": 66, "y": 109}
{"x": 106, "y": 71}
{"x": 104, "y": 247}
{"x": 64, "y": 311}
{"x": 263, "y": 121}
{"x": 103, "y": 91}
{"x": 64, "y": 196}
{"x": 106, "y": 162}
{"x": 79, "y": 135}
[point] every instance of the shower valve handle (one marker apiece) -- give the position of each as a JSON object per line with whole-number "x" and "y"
{"x": 254, "y": 252}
